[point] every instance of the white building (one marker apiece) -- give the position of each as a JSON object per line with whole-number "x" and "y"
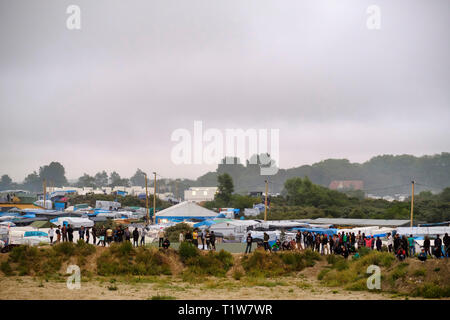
{"x": 199, "y": 194}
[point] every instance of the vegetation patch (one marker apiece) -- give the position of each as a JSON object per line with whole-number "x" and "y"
{"x": 264, "y": 264}
{"x": 403, "y": 278}
{"x": 212, "y": 263}
{"x": 123, "y": 259}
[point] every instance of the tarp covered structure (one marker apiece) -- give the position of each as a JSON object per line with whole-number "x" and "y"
{"x": 415, "y": 231}
{"x": 186, "y": 210}
{"x": 329, "y": 232}
{"x": 73, "y": 221}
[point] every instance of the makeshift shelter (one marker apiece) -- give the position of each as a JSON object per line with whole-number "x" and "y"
{"x": 75, "y": 222}
{"x": 231, "y": 227}
{"x": 185, "y": 211}
{"x": 422, "y": 231}
{"x": 329, "y": 232}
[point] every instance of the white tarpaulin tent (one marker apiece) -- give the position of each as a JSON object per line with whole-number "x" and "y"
{"x": 418, "y": 231}
{"x": 75, "y": 222}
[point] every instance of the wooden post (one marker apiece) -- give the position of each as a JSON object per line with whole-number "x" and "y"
{"x": 154, "y": 200}
{"x": 265, "y": 201}
{"x": 44, "y": 186}
{"x": 146, "y": 200}
{"x": 412, "y": 202}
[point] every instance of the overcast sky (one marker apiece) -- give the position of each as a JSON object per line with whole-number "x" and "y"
{"x": 110, "y": 95}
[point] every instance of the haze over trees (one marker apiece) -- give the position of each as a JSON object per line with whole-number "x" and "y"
{"x": 382, "y": 175}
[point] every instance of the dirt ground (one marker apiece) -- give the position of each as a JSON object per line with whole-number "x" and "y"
{"x": 303, "y": 287}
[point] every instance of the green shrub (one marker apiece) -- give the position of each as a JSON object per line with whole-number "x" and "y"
{"x": 430, "y": 290}
{"x": 6, "y": 268}
{"x": 159, "y": 297}
{"x": 364, "y": 251}
{"x": 188, "y": 250}
{"x": 64, "y": 248}
{"x": 322, "y": 273}
{"x": 147, "y": 261}
{"x": 173, "y": 232}
{"x": 420, "y": 273}
{"x": 212, "y": 263}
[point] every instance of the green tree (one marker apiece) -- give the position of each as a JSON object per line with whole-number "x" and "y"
{"x": 5, "y": 182}
{"x": 86, "y": 181}
{"x": 225, "y": 188}
{"x": 138, "y": 179}
{"x": 54, "y": 173}
{"x": 101, "y": 179}
{"x": 117, "y": 181}
{"x": 33, "y": 182}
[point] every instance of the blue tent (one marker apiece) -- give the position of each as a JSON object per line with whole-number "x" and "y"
{"x": 204, "y": 223}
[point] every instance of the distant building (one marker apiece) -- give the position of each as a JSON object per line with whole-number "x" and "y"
{"x": 346, "y": 185}
{"x": 200, "y": 194}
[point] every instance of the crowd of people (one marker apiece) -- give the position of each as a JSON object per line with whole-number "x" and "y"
{"x": 346, "y": 243}
{"x": 204, "y": 238}
{"x": 102, "y": 236}
{"x": 342, "y": 243}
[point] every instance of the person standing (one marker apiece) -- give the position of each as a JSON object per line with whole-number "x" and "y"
{"x": 213, "y": 240}
{"x": 127, "y": 234}
{"x": 135, "y": 237}
{"x": 109, "y": 236}
{"x": 195, "y": 238}
{"x": 379, "y": 244}
{"x": 161, "y": 237}
{"x": 390, "y": 242}
{"x": 332, "y": 239}
{"x": 298, "y": 240}
{"x": 201, "y": 236}
{"x": 249, "y": 241}
{"x": 404, "y": 245}
{"x": 427, "y": 245}
{"x": 325, "y": 245}
{"x": 70, "y": 233}
{"x": 412, "y": 246}
{"x": 81, "y": 233}
{"x": 94, "y": 234}
{"x": 208, "y": 240}
{"x": 181, "y": 237}
{"x": 58, "y": 234}
{"x": 266, "y": 242}
{"x": 51, "y": 233}
{"x": 397, "y": 243}
{"x": 87, "y": 234}
{"x": 64, "y": 233}
{"x": 188, "y": 237}
{"x": 143, "y": 235}
{"x": 446, "y": 245}
{"x": 437, "y": 247}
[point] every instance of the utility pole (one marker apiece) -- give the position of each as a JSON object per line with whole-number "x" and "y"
{"x": 176, "y": 189}
{"x": 265, "y": 201}
{"x": 44, "y": 186}
{"x": 146, "y": 200}
{"x": 412, "y": 202}
{"x": 154, "y": 199}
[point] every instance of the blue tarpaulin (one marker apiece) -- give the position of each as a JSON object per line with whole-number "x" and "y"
{"x": 328, "y": 232}
{"x": 204, "y": 223}
{"x": 35, "y": 234}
